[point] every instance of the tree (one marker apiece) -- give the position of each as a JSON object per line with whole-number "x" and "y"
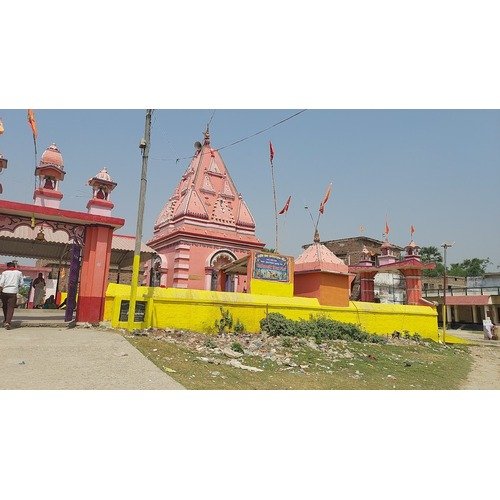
{"x": 469, "y": 267}
{"x": 466, "y": 268}
{"x": 432, "y": 254}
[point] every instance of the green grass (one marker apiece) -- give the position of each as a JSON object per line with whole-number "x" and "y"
{"x": 371, "y": 366}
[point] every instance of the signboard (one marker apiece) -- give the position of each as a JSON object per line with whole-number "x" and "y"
{"x": 271, "y": 268}
{"x": 140, "y": 311}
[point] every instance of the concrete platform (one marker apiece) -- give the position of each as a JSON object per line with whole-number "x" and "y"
{"x": 77, "y": 358}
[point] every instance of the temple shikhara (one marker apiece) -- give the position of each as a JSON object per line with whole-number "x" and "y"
{"x": 204, "y": 226}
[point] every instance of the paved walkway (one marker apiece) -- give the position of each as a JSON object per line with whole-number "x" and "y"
{"x": 78, "y": 358}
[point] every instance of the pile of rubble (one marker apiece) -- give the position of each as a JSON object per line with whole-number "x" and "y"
{"x": 230, "y": 348}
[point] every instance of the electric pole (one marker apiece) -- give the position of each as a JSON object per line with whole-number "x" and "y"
{"x": 144, "y": 146}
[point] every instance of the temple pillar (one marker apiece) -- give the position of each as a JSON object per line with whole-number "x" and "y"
{"x": 94, "y": 275}
{"x": 208, "y": 278}
{"x": 181, "y": 266}
{"x": 413, "y": 286}
{"x": 74, "y": 270}
{"x": 367, "y": 287}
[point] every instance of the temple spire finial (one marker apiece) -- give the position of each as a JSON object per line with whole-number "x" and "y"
{"x": 206, "y": 142}
{"x": 316, "y": 236}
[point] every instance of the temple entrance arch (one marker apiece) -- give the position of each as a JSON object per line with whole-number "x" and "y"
{"x": 220, "y": 281}
{"x": 79, "y": 238}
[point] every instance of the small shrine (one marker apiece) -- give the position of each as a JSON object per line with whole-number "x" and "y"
{"x": 321, "y": 274}
{"x": 50, "y": 173}
{"x": 102, "y": 185}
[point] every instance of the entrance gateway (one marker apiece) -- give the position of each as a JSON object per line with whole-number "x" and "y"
{"x": 34, "y": 230}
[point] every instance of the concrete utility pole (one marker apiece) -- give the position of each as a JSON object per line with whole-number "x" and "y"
{"x": 445, "y": 247}
{"x": 144, "y": 146}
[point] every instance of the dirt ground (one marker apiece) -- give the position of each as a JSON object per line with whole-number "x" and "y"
{"x": 485, "y": 372}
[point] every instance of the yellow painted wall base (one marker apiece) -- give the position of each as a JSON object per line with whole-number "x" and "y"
{"x": 197, "y": 310}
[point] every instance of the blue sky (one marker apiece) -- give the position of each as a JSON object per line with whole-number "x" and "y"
{"x": 435, "y": 169}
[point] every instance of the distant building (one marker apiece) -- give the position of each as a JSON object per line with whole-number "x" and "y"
{"x": 350, "y": 250}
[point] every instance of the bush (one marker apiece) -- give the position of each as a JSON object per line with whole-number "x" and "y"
{"x": 276, "y": 324}
{"x": 237, "y": 347}
{"x": 320, "y": 328}
{"x": 239, "y": 327}
{"x": 226, "y": 321}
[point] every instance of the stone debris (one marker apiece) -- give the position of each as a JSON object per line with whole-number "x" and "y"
{"x": 237, "y": 364}
{"x": 231, "y": 354}
{"x": 120, "y": 354}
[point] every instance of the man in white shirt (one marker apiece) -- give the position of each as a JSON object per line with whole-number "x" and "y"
{"x": 10, "y": 281}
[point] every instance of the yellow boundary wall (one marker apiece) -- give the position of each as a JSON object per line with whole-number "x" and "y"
{"x": 197, "y": 310}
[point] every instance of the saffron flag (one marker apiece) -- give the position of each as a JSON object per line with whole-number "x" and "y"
{"x": 386, "y": 228}
{"x": 271, "y": 151}
{"x": 412, "y": 230}
{"x": 1, "y": 128}
{"x": 285, "y": 208}
{"x": 32, "y": 122}
{"x": 325, "y": 199}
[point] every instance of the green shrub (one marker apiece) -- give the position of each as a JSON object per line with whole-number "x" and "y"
{"x": 226, "y": 321}
{"x": 237, "y": 347}
{"x": 210, "y": 344}
{"x": 239, "y": 327}
{"x": 276, "y": 324}
{"x": 321, "y": 328}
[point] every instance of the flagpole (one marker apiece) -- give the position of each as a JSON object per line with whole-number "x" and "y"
{"x": 275, "y": 202}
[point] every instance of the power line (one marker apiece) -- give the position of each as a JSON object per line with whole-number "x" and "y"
{"x": 235, "y": 142}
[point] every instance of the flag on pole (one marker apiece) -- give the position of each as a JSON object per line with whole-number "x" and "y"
{"x": 285, "y": 208}
{"x": 386, "y": 228}
{"x": 271, "y": 151}
{"x": 32, "y": 123}
{"x": 2, "y": 130}
{"x": 412, "y": 230}
{"x": 325, "y": 199}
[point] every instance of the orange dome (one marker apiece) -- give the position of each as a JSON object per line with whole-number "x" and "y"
{"x": 52, "y": 156}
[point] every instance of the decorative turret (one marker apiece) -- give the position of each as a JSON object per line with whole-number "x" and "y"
{"x": 102, "y": 185}
{"x": 50, "y": 172}
{"x": 387, "y": 254}
{"x": 366, "y": 260}
{"x": 412, "y": 251}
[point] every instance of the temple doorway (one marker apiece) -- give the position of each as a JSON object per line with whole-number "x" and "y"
{"x": 220, "y": 259}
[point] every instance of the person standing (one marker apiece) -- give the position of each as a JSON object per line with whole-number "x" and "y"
{"x": 39, "y": 295}
{"x": 10, "y": 282}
